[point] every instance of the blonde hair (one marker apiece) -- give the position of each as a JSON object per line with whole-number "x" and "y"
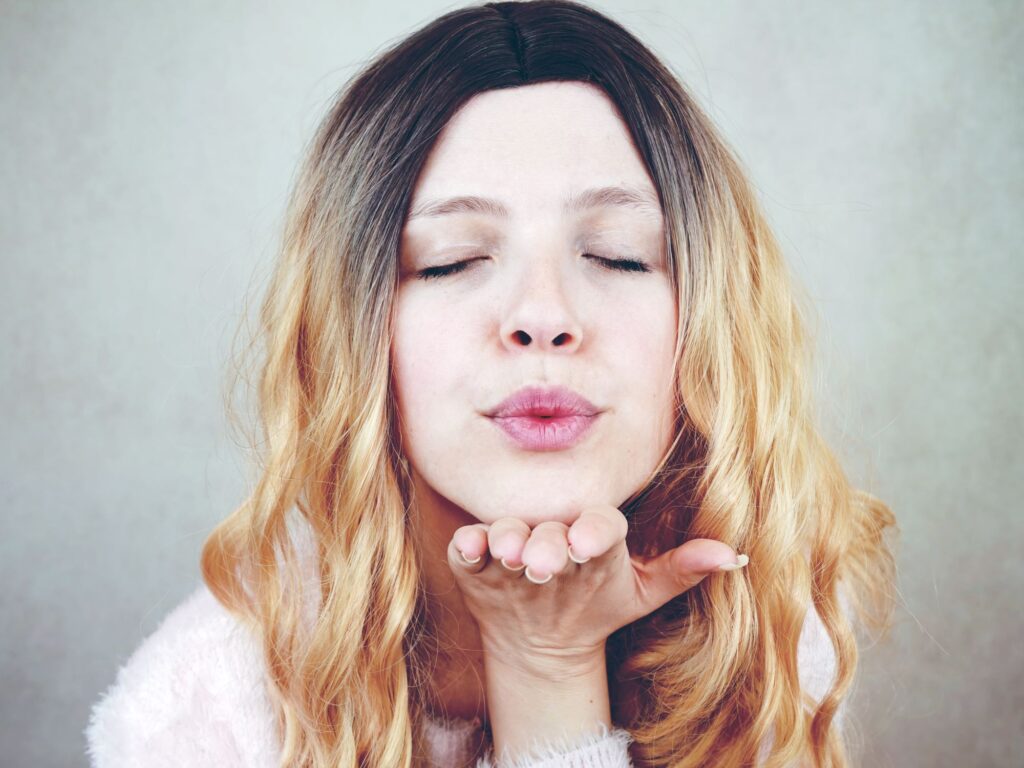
{"x": 712, "y": 674}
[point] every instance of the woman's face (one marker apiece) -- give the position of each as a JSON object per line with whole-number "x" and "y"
{"x": 534, "y": 306}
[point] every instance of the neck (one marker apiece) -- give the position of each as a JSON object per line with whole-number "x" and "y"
{"x": 456, "y": 678}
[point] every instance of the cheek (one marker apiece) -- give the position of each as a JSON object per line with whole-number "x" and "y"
{"x": 644, "y": 343}
{"x": 644, "y": 350}
{"x": 430, "y": 355}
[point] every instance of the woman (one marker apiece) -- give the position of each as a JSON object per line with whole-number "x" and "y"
{"x": 534, "y": 373}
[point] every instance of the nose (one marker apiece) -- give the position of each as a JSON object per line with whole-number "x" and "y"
{"x": 540, "y": 315}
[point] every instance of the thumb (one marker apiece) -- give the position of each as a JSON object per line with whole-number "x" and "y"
{"x": 674, "y": 572}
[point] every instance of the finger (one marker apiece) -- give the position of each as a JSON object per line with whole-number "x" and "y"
{"x": 506, "y": 538}
{"x": 597, "y": 530}
{"x": 674, "y": 572}
{"x": 467, "y": 550}
{"x": 546, "y": 552}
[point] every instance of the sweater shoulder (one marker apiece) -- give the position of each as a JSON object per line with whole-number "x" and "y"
{"x": 192, "y": 693}
{"x": 816, "y": 657}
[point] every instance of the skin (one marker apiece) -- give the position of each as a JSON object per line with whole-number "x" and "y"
{"x": 535, "y": 306}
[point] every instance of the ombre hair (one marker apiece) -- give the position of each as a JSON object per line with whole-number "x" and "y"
{"x": 711, "y": 676}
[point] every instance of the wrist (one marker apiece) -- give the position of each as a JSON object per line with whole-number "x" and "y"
{"x": 546, "y": 668}
{"x": 539, "y": 699}
{"x": 545, "y": 665}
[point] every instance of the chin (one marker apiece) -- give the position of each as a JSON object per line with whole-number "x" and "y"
{"x": 534, "y": 503}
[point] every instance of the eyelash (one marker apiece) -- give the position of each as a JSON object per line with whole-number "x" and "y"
{"x": 616, "y": 265}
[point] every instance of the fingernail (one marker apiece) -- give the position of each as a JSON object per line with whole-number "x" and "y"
{"x": 741, "y": 560}
{"x": 467, "y": 560}
{"x": 545, "y": 581}
{"x": 573, "y": 557}
{"x": 518, "y": 568}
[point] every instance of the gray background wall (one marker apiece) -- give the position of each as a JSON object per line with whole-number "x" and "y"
{"x": 146, "y": 151}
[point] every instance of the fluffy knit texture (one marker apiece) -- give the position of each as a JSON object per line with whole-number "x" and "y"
{"x": 192, "y": 694}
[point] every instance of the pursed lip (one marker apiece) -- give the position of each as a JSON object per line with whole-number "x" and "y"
{"x": 539, "y": 401}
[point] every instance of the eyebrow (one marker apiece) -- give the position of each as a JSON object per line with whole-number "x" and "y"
{"x": 595, "y": 197}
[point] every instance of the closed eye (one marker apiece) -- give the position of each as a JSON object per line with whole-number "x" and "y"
{"x": 621, "y": 265}
{"x": 616, "y": 265}
{"x": 447, "y": 269}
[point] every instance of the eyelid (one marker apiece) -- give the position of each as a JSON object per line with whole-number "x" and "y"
{"x": 443, "y": 270}
{"x": 613, "y": 263}
{"x": 616, "y": 264}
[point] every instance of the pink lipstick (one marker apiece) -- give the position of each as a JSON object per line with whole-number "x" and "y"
{"x": 545, "y": 418}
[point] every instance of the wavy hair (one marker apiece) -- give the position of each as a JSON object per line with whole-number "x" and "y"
{"x": 712, "y": 675}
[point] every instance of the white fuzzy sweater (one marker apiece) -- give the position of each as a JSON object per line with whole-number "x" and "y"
{"x": 192, "y": 695}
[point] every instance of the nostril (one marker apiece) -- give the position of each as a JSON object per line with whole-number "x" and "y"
{"x": 522, "y": 337}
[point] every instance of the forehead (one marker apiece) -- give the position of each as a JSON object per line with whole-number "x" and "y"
{"x": 546, "y": 149}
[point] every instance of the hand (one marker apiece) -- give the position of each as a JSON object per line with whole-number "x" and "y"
{"x": 562, "y": 623}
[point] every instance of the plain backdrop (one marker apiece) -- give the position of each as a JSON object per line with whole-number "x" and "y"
{"x": 147, "y": 149}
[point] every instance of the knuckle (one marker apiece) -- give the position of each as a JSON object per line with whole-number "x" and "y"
{"x": 547, "y": 550}
{"x": 612, "y": 517}
{"x": 687, "y": 582}
{"x": 462, "y": 536}
{"x": 504, "y": 543}
{"x": 550, "y": 527}
{"x": 510, "y": 525}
